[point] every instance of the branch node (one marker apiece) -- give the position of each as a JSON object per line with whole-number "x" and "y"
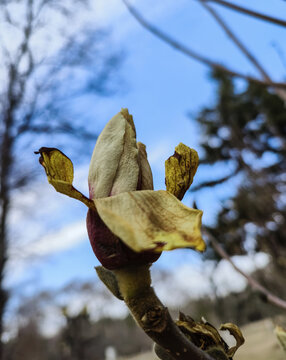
{"x": 155, "y": 319}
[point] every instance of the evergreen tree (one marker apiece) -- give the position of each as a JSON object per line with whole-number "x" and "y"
{"x": 246, "y": 131}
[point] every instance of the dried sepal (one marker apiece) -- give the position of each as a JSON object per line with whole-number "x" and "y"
{"x": 151, "y": 220}
{"x": 59, "y": 170}
{"x": 280, "y": 333}
{"x": 202, "y": 334}
{"x": 180, "y": 169}
{"x": 206, "y": 336}
{"x": 235, "y": 331}
{"x": 109, "y": 280}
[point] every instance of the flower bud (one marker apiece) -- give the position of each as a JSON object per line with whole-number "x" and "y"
{"x": 128, "y": 222}
{"x": 110, "y": 250}
{"x": 118, "y": 165}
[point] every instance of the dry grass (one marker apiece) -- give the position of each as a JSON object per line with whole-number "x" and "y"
{"x": 260, "y": 344}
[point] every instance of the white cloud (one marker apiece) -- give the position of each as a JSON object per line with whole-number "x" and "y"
{"x": 67, "y": 237}
{"x": 191, "y": 281}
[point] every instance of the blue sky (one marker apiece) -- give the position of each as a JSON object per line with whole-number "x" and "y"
{"x": 161, "y": 87}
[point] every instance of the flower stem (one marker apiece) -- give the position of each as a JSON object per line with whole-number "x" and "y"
{"x": 152, "y": 316}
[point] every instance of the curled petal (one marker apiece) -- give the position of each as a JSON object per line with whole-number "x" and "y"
{"x": 180, "y": 170}
{"x": 151, "y": 220}
{"x": 145, "y": 174}
{"x": 59, "y": 170}
{"x": 114, "y": 164}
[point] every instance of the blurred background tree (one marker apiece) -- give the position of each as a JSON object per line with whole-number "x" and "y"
{"x": 245, "y": 133}
{"x": 80, "y": 336}
{"x": 46, "y": 67}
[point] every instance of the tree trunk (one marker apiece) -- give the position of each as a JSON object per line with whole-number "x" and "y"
{"x": 3, "y": 258}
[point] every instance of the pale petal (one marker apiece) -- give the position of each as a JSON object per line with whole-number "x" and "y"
{"x": 127, "y": 174}
{"x": 114, "y": 159}
{"x": 145, "y": 174}
{"x": 151, "y": 220}
{"x": 59, "y": 170}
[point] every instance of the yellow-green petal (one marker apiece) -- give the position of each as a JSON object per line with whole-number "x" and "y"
{"x": 151, "y": 220}
{"x": 59, "y": 170}
{"x": 180, "y": 170}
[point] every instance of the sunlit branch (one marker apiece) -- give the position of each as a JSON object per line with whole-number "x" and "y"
{"x": 249, "y": 12}
{"x": 273, "y": 299}
{"x": 193, "y": 54}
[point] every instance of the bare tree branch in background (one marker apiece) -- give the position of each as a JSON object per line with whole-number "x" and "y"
{"x": 249, "y": 12}
{"x": 242, "y": 47}
{"x": 37, "y": 91}
{"x": 203, "y": 59}
{"x": 236, "y": 40}
{"x": 273, "y": 299}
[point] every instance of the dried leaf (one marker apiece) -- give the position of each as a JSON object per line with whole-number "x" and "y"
{"x": 114, "y": 164}
{"x": 151, "y": 220}
{"x": 236, "y": 333}
{"x": 180, "y": 169}
{"x": 281, "y": 336}
{"x": 59, "y": 170}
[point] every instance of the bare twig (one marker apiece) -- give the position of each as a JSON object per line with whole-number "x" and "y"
{"x": 242, "y": 47}
{"x": 249, "y": 12}
{"x": 193, "y": 54}
{"x": 236, "y": 40}
{"x": 216, "y": 182}
{"x": 273, "y": 299}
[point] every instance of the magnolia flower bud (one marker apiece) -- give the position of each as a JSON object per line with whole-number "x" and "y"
{"x": 127, "y": 222}
{"x": 118, "y": 165}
